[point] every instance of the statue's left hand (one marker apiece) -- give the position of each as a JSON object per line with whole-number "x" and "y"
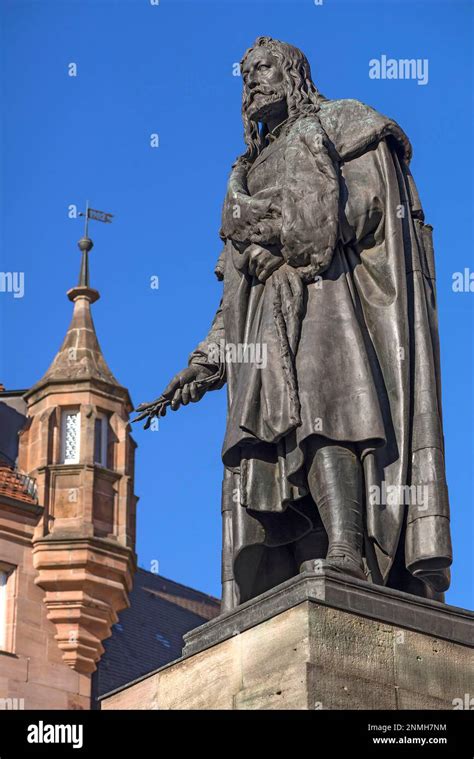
{"x": 262, "y": 262}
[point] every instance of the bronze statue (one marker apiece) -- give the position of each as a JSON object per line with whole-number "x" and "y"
{"x": 334, "y": 444}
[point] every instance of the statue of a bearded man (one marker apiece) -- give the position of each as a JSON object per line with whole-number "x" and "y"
{"x": 334, "y": 445}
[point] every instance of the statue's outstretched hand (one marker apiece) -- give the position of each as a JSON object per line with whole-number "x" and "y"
{"x": 190, "y": 384}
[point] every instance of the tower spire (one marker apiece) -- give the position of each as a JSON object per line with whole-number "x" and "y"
{"x": 79, "y": 449}
{"x": 80, "y": 357}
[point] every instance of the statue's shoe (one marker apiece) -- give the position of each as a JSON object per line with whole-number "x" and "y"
{"x": 338, "y": 563}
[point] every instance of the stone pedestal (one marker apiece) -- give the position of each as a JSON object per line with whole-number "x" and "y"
{"x": 318, "y": 641}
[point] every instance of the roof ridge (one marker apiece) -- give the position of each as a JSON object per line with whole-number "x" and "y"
{"x": 180, "y": 584}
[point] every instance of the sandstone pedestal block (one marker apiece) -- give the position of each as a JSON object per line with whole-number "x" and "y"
{"x": 318, "y": 641}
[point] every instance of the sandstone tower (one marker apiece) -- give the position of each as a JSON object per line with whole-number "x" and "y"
{"x": 67, "y": 551}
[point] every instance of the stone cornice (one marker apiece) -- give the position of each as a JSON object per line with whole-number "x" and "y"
{"x": 107, "y": 390}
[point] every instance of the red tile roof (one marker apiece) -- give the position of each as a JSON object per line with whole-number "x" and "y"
{"x": 16, "y": 485}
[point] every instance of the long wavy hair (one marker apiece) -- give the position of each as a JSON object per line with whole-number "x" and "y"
{"x": 302, "y": 96}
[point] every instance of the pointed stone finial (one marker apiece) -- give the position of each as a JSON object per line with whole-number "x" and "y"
{"x": 85, "y": 245}
{"x": 83, "y": 287}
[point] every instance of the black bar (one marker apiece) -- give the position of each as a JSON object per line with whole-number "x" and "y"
{"x": 138, "y": 733}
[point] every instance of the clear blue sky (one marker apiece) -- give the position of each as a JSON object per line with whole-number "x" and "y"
{"x": 167, "y": 69}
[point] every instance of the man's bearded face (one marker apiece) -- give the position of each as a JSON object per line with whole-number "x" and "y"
{"x": 263, "y": 83}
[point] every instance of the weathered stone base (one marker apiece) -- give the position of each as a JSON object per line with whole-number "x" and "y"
{"x": 320, "y": 641}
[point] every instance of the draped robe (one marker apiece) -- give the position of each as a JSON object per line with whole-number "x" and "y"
{"x": 352, "y": 356}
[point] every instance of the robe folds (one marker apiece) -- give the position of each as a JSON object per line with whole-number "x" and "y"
{"x": 349, "y": 354}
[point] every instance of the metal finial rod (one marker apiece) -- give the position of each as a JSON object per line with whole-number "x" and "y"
{"x": 86, "y": 221}
{"x": 84, "y": 272}
{"x": 85, "y": 243}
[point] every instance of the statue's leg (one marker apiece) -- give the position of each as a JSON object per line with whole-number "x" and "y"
{"x": 335, "y": 480}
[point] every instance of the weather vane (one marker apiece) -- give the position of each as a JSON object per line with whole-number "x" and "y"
{"x": 85, "y": 243}
{"x": 92, "y": 213}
